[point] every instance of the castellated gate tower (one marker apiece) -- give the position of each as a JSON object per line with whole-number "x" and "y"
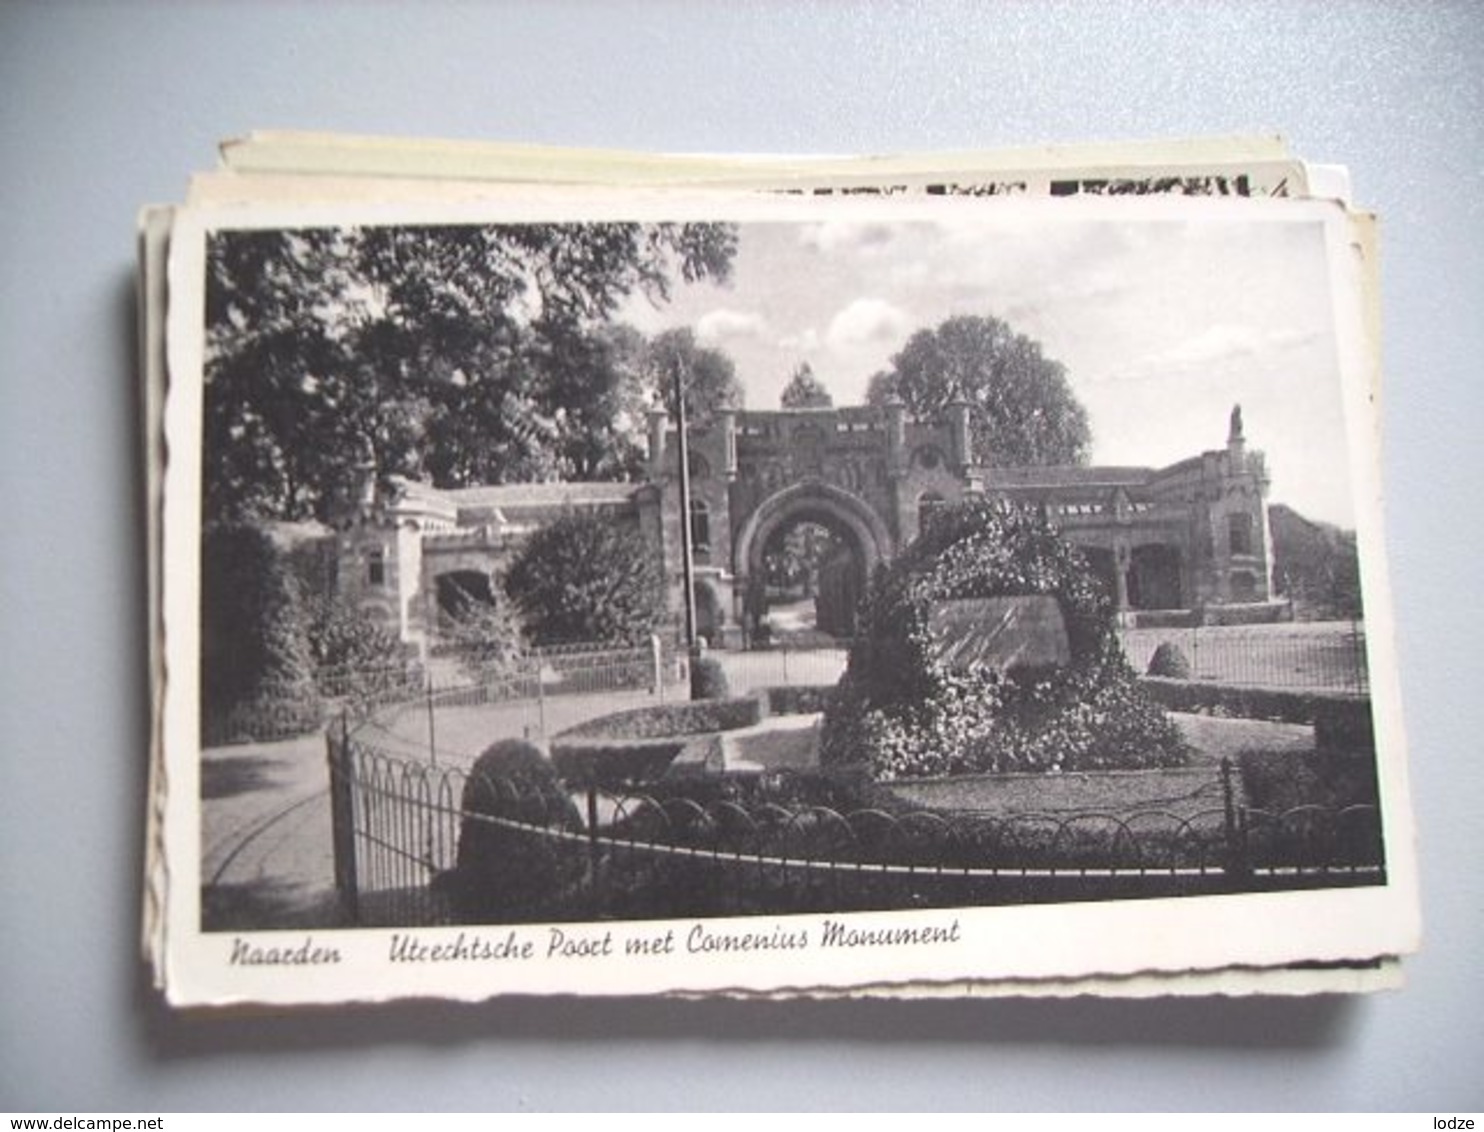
{"x": 1183, "y": 542}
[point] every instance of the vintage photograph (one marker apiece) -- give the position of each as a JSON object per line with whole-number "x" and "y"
{"x": 755, "y": 577}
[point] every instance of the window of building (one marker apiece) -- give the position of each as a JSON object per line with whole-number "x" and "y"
{"x": 376, "y": 568}
{"x": 700, "y": 526}
{"x": 928, "y": 504}
{"x": 1239, "y": 533}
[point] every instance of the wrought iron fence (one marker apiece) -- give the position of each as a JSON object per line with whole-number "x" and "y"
{"x": 1302, "y": 656}
{"x": 563, "y": 673}
{"x": 415, "y": 844}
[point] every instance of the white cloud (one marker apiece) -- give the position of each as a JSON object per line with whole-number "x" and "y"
{"x": 866, "y": 321}
{"x": 805, "y": 341}
{"x": 1216, "y": 345}
{"x": 723, "y": 323}
{"x": 911, "y": 274}
{"x": 834, "y": 236}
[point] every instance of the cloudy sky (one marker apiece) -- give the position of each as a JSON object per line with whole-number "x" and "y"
{"x": 1162, "y": 325}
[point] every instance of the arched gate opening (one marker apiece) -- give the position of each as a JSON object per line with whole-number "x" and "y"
{"x": 803, "y": 559}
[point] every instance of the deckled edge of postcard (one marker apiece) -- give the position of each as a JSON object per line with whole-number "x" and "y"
{"x": 153, "y": 244}
{"x": 358, "y": 185}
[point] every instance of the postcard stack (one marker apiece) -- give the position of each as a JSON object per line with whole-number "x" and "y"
{"x": 605, "y": 573}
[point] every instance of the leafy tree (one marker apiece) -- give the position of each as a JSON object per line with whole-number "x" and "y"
{"x": 341, "y": 636}
{"x": 707, "y": 376}
{"x": 793, "y": 559}
{"x": 487, "y": 634}
{"x": 585, "y": 578}
{"x": 1023, "y": 409}
{"x": 599, "y": 429}
{"x": 266, "y": 411}
{"x": 254, "y": 646}
{"x": 1316, "y": 565}
{"x": 467, "y": 354}
{"x": 805, "y": 391}
{"x": 354, "y": 655}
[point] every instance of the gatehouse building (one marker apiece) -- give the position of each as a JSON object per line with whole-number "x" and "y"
{"x": 1183, "y": 543}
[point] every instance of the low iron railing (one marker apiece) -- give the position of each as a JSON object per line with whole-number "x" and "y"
{"x": 408, "y": 850}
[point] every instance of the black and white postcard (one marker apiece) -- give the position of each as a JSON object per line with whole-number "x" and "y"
{"x": 674, "y": 592}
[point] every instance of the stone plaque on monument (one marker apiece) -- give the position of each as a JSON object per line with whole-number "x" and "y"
{"x": 1002, "y": 633}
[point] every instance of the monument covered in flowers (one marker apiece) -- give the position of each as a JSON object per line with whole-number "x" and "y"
{"x": 988, "y": 645}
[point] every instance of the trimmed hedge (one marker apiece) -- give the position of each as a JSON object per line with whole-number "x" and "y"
{"x": 1247, "y": 613}
{"x": 843, "y": 790}
{"x": 613, "y": 763}
{"x": 798, "y": 699}
{"x": 1162, "y": 618}
{"x": 503, "y": 869}
{"x": 1344, "y": 725}
{"x": 1341, "y": 720}
{"x": 667, "y": 720}
{"x": 262, "y": 721}
{"x": 708, "y": 680}
{"x": 1279, "y": 781}
{"x": 256, "y": 669}
{"x": 1169, "y": 661}
{"x": 647, "y": 744}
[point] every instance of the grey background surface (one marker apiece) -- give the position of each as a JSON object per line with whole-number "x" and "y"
{"x": 104, "y": 108}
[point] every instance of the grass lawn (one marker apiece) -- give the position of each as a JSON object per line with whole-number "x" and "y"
{"x": 788, "y": 743}
{"x": 1215, "y": 739}
{"x": 1182, "y": 792}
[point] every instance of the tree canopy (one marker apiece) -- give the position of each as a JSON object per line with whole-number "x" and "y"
{"x": 805, "y": 391}
{"x": 584, "y": 578}
{"x": 793, "y": 556}
{"x": 707, "y": 376}
{"x": 1315, "y": 565}
{"x": 461, "y": 354}
{"x": 254, "y": 646}
{"x": 1023, "y": 409}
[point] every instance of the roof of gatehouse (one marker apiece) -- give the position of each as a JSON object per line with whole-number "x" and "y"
{"x": 1068, "y": 476}
{"x": 541, "y": 494}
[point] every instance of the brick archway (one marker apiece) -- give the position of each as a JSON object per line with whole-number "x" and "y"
{"x": 811, "y": 501}
{"x": 864, "y": 533}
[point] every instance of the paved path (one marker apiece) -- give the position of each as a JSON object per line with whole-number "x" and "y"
{"x": 789, "y": 742}
{"x": 266, "y": 856}
{"x": 773, "y": 668}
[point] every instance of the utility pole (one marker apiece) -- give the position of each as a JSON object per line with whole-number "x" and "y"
{"x": 687, "y": 556}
